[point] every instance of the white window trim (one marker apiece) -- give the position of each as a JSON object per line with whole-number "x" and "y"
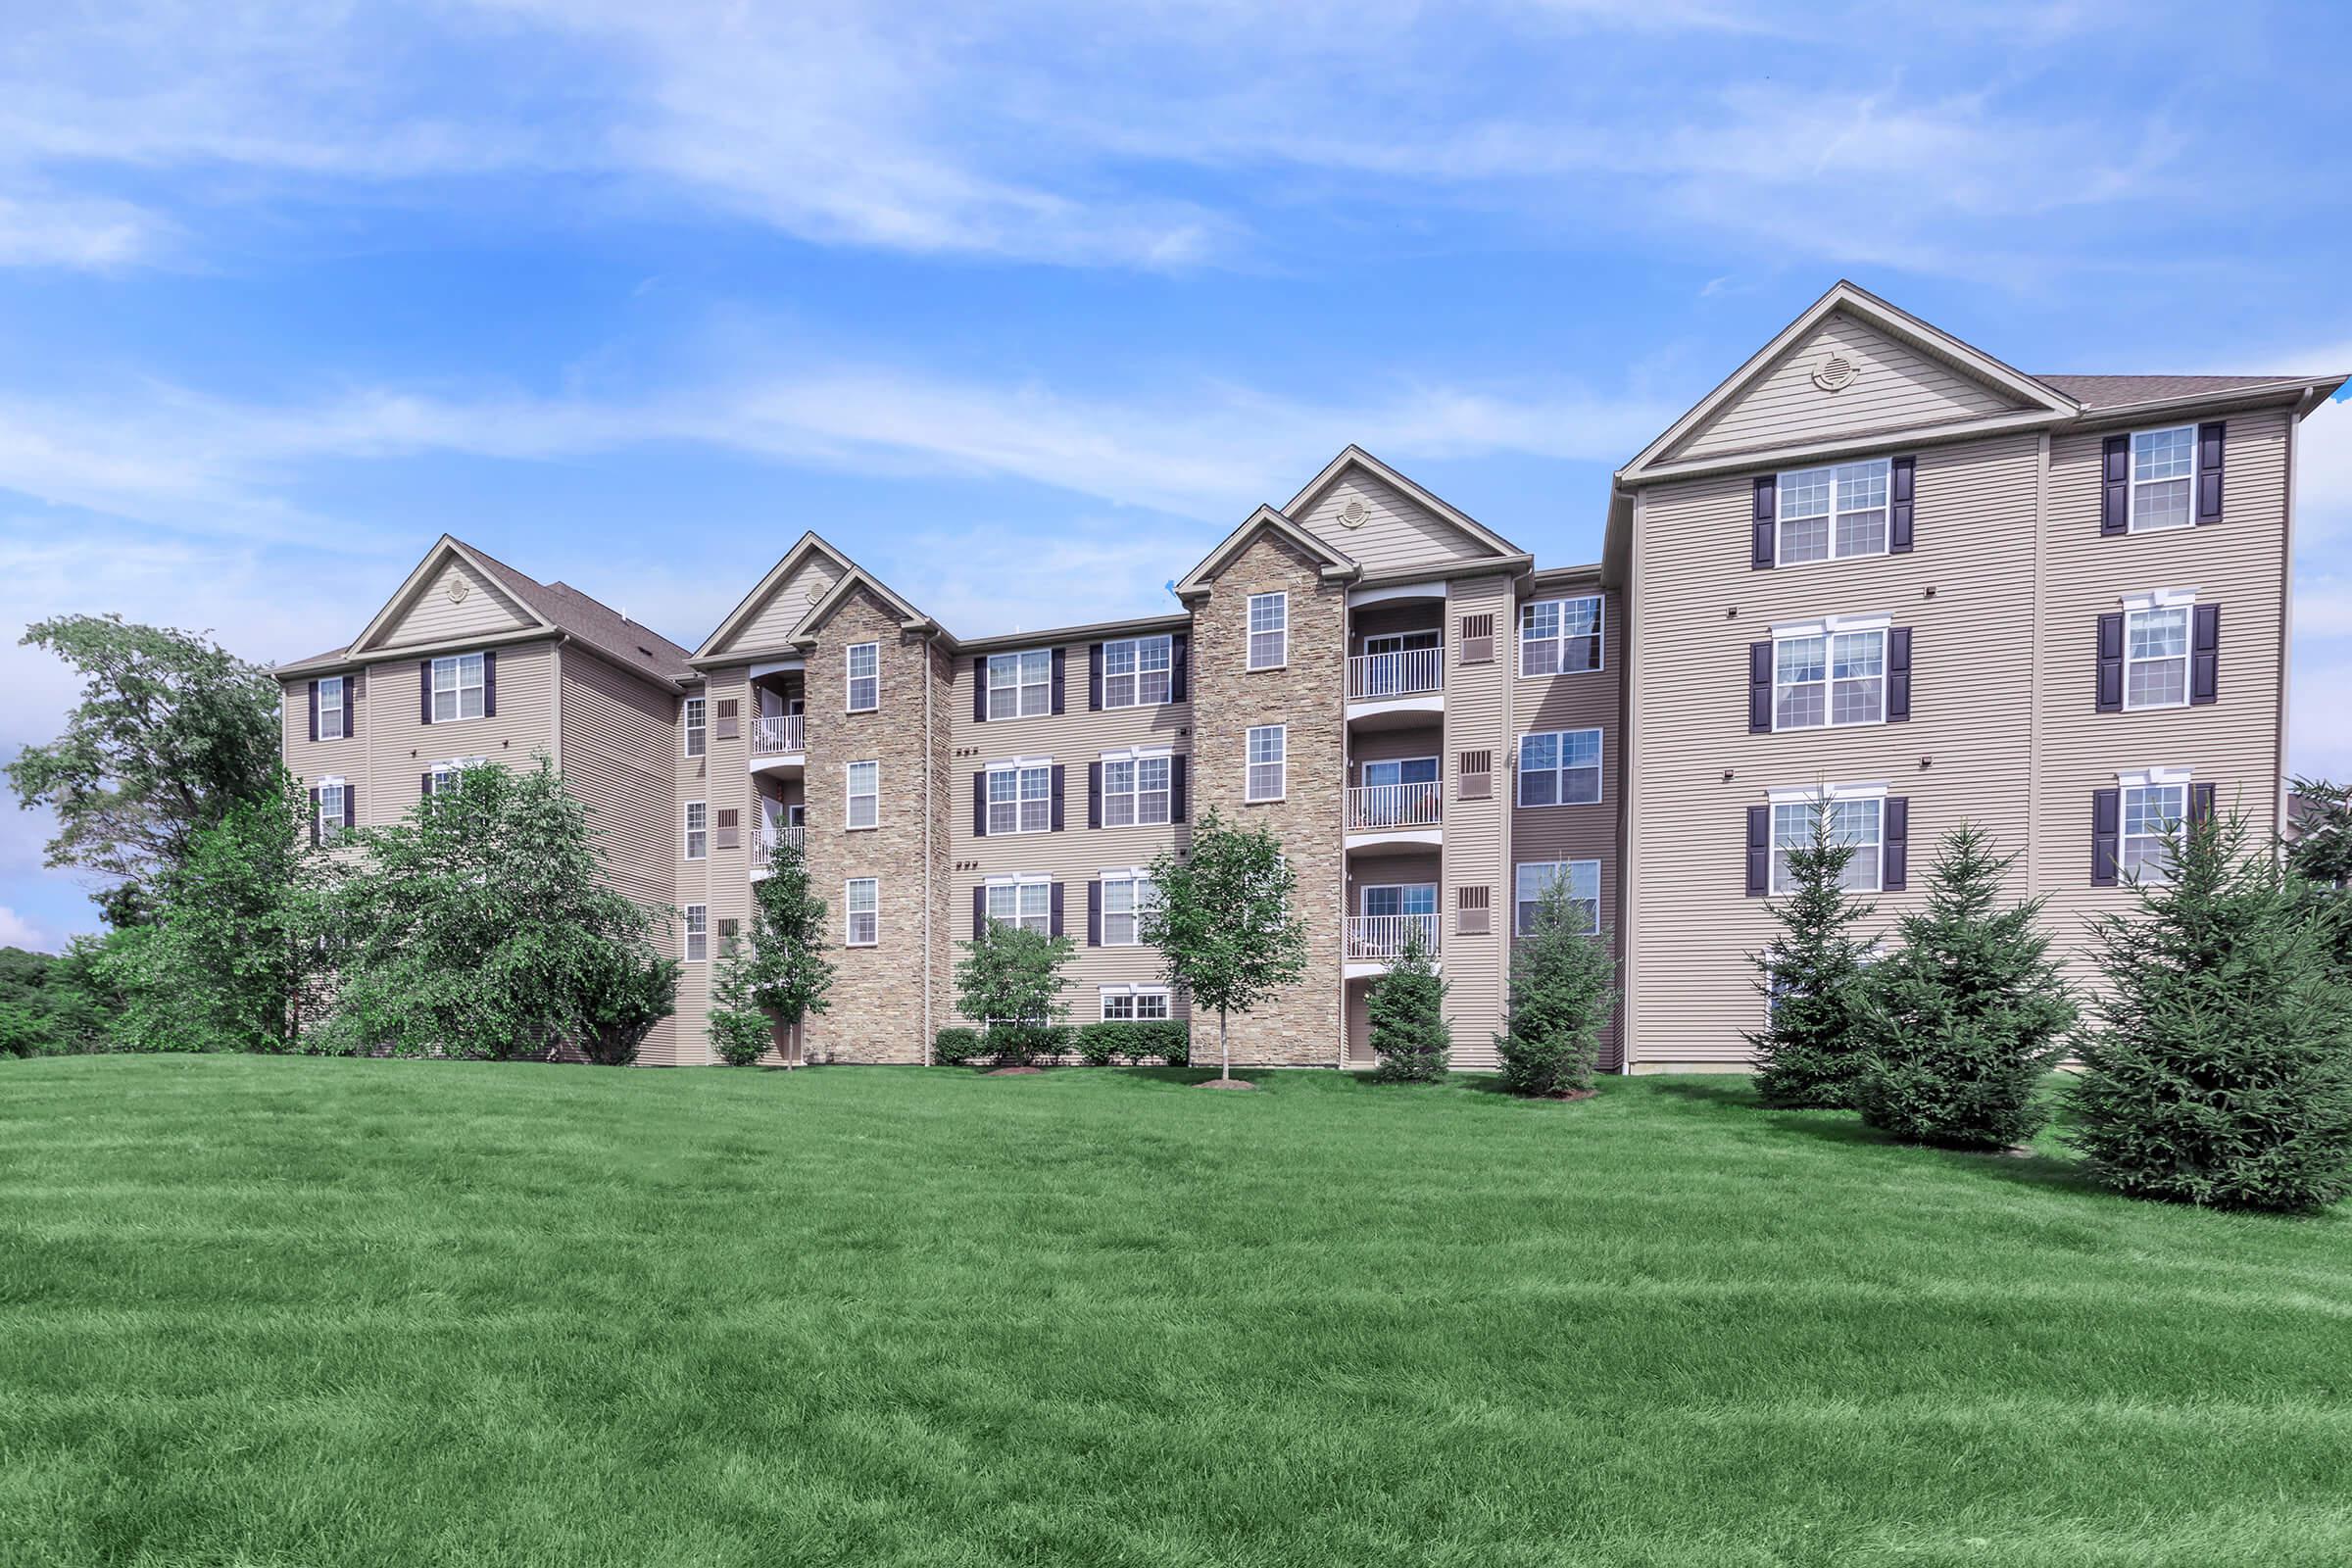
{"x": 850, "y": 678}
{"x": 2147, "y": 778}
{"x": 691, "y": 726}
{"x": 1016, "y": 686}
{"x": 847, "y": 796}
{"x": 2156, "y": 599}
{"x": 1824, "y": 793}
{"x": 687, "y": 830}
{"x": 1786, "y": 794}
{"x": 1830, "y": 627}
{"x": 2160, "y": 599}
{"x": 458, "y": 691}
{"x": 686, "y": 934}
{"x": 1019, "y": 879}
{"x": 2132, "y": 483}
{"x": 455, "y": 764}
{"x": 329, "y": 829}
{"x": 1571, "y": 862}
{"x": 1136, "y": 992}
{"x": 2143, "y": 777}
{"x": 1601, "y": 636}
{"x": 1601, "y": 768}
{"x": 1138, "y": 672}
{"x": 848, "y": 915}
{"x": 1249, "y": 637}
{"x": 1780, "y": 514}
{"x": 342, "y": 708}
{"x": 1017, "y": 766}
{"x": 1249, "y": 798}
{"x": 1123, "y": 874}
{"x": 1142, "y": 753}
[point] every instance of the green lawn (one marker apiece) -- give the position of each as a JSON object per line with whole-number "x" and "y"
{"x": 330, "y": 1313}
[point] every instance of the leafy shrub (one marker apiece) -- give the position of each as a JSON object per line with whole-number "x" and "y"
{"x": 1025, "y": 1045}
{"x": 1171, "y": 1040}
{"x": 1101, "y": 1043}
{"x": 1563, "y": 989}
{"x": 2221, "y": 1069}
{"x": 22, "y": 1032}
{"x": 1406, "y": 1008}
{"x": 956, "y": 1046}
{"x": 1968, "y": 1015}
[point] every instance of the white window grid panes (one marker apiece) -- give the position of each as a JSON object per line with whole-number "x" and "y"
{"x": 2164, "y": 467}
{"x": 1028, "y": 904}
{"x": 698, "y": 829}
{"x": 864, "y": 793}
{"x": 1560, "y": 636}
{"x": 697, "y": 933}
{"x": 1020, "y": 798}
{"x": 457, "y": 688}
{"x": 865, "y": 665}
{"x": 1559, "y": 767}
{"x": 1135, "y": 672}
{"x": 1126, "y": 900}
{"x": 1833, "y": 679}
{"x": 2156, "y": 657}
{"x": 1134, "y": 792}
{"x": 1533, "y": 877}
{"x": 331, "y": 709}
{"x": 331, "y": 808}
{"x": 1268, "y": 770}
{"x": 1020, "y": 685}
{"x": 1834, "y": 513}
{"x": 1853, "y": 823}
{"x": 691, "y": 718}
{"x": 861, "y": 911}
{"x": 2151, "y": 811}
{"x": 1269, "y": 631}
{"x": 1134, "y": 1005}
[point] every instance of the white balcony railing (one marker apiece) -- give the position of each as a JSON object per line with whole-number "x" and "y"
{"x": 1409, "y": 672}
{"x": 1374, "y": 806}
{"x": 770, "y": 837}
{"x": 776, "y": 735}
{"x": 1378, "y": 938}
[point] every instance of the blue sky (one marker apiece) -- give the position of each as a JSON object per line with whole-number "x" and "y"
{"x": 1026, "y": 310}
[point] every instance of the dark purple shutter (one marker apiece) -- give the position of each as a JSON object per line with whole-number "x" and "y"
{"x": 1759, "y": 688}
{"x": 2115, "y": 487}
{"x": 980, "y": 689}
{"x": 424, "y": 785}
{"x": 1898, "y": 519}
{"x": 1056, "y": 929}
{"x": 314, "y": 709}
{"x": 1094, "y": 795}
{"x": 2111, "y": 663}
{"x": 490, "y": 684}
{"x": 1058, "y": 772}
{"x": 314, "y": 816}
{"x": 351, "y": 806}
{"x": 1896, "y": 831}
{"x": 1760, "y": 851}
{"x": 1175, "y": 788}
{"x": 2106, "y": 821}
{"x": 980, "y": 805}
{"x": 1760, "y": 541}
{"x": 1093, "y": 677}
{"x": 1058, "y": 661}
{"x": 1180, "y": 667}
{"x": 1094, "y": 913}
{"x": 424, "y": 690}
{"x": 979, "y": 913}
{"x": 2200, "y": 803}
{"x": 1898, "y": 674}
{"x": 2209, "y": 471}
{"x": 2205, "y": 655}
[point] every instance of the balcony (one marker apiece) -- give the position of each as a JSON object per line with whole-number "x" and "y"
{"x": 1402, "y": 815}
{"x": 763, "y": 846}
{"x": 777, "y": 741}
{"x": 1370, "y": 943}
{"x": 1396, "y": 687}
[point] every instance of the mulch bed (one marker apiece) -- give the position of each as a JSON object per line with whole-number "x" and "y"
{"x": 1574, "y": 1094}
{"x": 1225, "y": 1083}
{"x": 1009, "y": 1072}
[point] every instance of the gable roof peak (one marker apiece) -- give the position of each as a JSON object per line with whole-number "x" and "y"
{"x": 1352, "y": 455}
{"x": 1332, "y": 561}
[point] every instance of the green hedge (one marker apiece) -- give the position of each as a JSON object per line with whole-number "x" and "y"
{"x": 1163, "y": 1039}
{"x": 956, "y": 1047}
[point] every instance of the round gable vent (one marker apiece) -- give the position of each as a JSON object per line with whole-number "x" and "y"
{"x": 1354, "y": 514}
{"x": 456, "y": 589}
{"x": 1836, "y": 372}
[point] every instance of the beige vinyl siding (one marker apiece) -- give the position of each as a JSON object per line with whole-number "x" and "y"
{"x": 431, "y": 616}
{"x": 721, "y": 880}
{"x": 1583, "y": 700}
{"x": 1396, "y": 534}
{"x": 1960, "y": 755}
{"x": 311, "y": 760}
{"x": 400, "y": 747}
{"x": 1077, "y": 854}
{"x": 1477, "y": 718}
{"x": 771, "y": 625}
{"x": 2237, "y": 563}
{"x": 619, "y": 732}
{"x": 1895, "y": 388}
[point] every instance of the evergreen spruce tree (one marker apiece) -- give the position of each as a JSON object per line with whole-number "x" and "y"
{"x": 1966, "y": 1017}
{"x": 2320, "y": 855}
{"x": 2221, "y": 1068}
{"x": 1406, "y": 1011}
{"x": 1811, "y": 1052}
{"x": 1563, "y": 991}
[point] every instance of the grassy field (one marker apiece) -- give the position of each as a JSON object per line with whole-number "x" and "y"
{"x": 331, "y": 1312}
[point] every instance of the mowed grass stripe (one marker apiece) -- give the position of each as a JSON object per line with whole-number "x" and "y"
{"x": 291, "y": 1312}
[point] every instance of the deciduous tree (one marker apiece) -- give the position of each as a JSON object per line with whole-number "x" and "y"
{"x": 1223, "y": 922}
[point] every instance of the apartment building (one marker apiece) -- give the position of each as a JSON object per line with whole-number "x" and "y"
{"x": 1875, "y": 567}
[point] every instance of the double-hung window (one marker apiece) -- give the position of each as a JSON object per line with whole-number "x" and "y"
{"x": 1856, "y": 821}
{"x": 1269, "y": 631}
{"x": 2156, "y": 657}
{"x": 331, "y": 808}
{"x": 1020, "y": 685}
{"x": 691, "y": 718}
{"x": 1021, "y": 797}
{"x": 864, "y": 787}
{"x": 1134, "y": 1004}
{"x": 1127, "y": 897}
{"x": 860, "y": 905}
{"x": 865, "y": 665}
{"x": 1135, "y": 672}
{"x": 332, "y": 725}
{"x": 2151, "y": 811}
{"x": 1830, "y": 513}
{"x": 2164, "y": 472}
{"x": 1026, "y": 901}
{"x": 697, "y": 933}
{"x": 457, "y": 687}
{"x": 1135, "y": 791}
{"x": 698, "y": 829}
{"x": 1269, "y": 751}
{"x": 1562, "y": 767}
{"x": 444, "y": 775}
{"x": 1826, "y": 677}
{"x": 1560, "y": 636}
{"x": 1535, "y": 878}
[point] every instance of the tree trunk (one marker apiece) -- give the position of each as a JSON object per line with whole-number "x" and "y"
{"x": 1224, "y": 1051}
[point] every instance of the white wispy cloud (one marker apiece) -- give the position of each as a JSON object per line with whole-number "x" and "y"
{"x": 16, "y": 931}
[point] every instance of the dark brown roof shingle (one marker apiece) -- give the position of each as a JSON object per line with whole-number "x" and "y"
{"x": 2120, "y": 391}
